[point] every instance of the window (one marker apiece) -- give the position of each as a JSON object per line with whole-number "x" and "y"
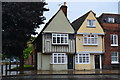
{"x": 114, "y": 40}
{"x": 91, "y": 23}
{"x": 90, "y": 39}
{"x": 114, "y": 57}
{"x": 59, "y": 38}
{"x": 111, "y": 20}
{"x": 59, "y": 58}
{"x": 82, "y": 58}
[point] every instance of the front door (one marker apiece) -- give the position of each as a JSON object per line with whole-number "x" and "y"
{"x": 70, "y": 61}
{"x": 97, "y": 62}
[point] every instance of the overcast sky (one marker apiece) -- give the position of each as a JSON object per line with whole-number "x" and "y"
{"x": 77, "y": 8}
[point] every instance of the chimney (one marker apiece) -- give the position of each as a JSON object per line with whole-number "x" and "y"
{"x": 64, "y": 9}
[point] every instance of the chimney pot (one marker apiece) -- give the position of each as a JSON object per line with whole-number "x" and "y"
{"x": 64, "y": 9}
{"x": 64, "y": 3}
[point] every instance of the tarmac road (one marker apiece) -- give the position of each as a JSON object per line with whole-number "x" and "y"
{"x": 64, "y": 77}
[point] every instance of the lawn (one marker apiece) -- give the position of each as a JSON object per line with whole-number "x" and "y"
{"x": 25, "y": 68}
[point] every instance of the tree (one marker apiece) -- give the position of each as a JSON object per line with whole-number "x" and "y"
{"x": 19, "y": 21}
{"x": 27, "y": 51}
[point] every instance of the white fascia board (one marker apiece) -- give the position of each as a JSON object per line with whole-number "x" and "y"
{"x": 58, "y": 32}
{"x": 99, "y": 52}
{"x": 92, "y": 33}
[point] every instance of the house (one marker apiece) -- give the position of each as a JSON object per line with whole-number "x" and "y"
{"x": 54, "y": 47}
{"x": 89, "y": 42}
{"x": 111, "y": 26}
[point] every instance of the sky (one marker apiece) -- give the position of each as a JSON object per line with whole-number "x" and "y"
{"x": 77, "y": 8}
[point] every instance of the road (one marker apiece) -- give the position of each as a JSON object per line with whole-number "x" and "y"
{"x": 63, "y": 77}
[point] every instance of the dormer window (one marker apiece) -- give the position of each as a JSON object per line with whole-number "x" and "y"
{"x": 91, "y": 23}
{"x": 111, "y": 20}
{"x": 59, "y": 38}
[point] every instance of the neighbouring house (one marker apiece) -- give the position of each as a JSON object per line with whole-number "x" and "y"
{"x": 54, "y": 47}
{"x": 111, "y": 26}
{"x": 89, "y": 42}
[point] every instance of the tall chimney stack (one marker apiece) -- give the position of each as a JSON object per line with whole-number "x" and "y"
{"x": 64, "y": 9}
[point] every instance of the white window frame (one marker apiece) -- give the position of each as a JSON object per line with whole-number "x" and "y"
{"x": 90, "y": 39}
{"x": 91, "y": 23}
{"x": 80, "y": 55}
{"x": 64, "y": 36}
{"x": 59, "y": 56}
{"x": 115, "y": 62}
{"x": 114, "y": 40}
{"x": 111, "y": 20}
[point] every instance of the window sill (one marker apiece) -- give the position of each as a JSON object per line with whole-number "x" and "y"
{"x": 57, "y": 63}
{"x": 114, "y": 45}
{"x": 90, "y": 44}
{"x": 114, "y": 62}
{"x": 59, "y": 44}
{"x": 82, "y": 63}
{"x": 91, "y": 26}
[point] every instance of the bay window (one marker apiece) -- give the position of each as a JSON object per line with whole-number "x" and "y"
{"x": 82, "y": 58}
{"x": 59, "y": 38}
{"x": 90, "y": 39}
{"x": 58, "y": 58}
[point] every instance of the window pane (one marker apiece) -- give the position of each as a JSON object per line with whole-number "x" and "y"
{"x": 115, "y": 39}
{"x": 54, "y": 40}
{"x": 58, "y": 39}
{"x": 89, "y": 41}
{"x": 55, "y": 59}
{"x": 80, "y": 59}
{"x": 76, "y": 58}
{"x": 59, "y": 59}
{"x": 66, "y": 40}
{"x": 63, "y": 59}
{"x": 114, "y": 57}
{"x": 62, "y": 39}
{"x": 85, "y": 40}
{"x": 114, "y": 54}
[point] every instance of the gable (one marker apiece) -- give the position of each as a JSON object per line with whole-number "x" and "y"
{"x": 84, "y": 29}
{"x": 59, "y": 24}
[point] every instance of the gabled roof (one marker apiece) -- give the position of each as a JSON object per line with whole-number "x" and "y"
{"x": 109, "y": 14}
{"x": 45, "y": 27}
{"x": 78, "y": 22}
{"x": 59, "y": 24}
{"x": 49, "y": 22}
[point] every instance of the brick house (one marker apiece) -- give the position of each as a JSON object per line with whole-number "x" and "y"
{"x": 111, "y": 26}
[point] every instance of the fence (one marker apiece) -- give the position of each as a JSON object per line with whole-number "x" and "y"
{"x": 6, "y": 69}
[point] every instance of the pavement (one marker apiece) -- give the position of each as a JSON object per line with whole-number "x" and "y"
{"x": 96, "y": 72}
{"x": 65, "y": 75}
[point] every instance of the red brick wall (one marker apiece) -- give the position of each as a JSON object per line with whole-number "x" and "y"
{"x": 110, "y": 29}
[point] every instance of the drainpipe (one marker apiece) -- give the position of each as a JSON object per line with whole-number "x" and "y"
{"x": 75, "y": 49}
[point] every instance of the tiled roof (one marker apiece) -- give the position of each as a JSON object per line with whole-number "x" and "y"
{"x": 78, "y": 22}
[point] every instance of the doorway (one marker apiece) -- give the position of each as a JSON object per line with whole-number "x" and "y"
{"x": 70, "y": 61}
{"x": 97, "y": 62}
